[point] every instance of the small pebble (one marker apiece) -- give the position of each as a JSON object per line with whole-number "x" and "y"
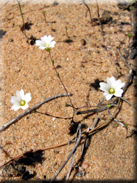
{"x": 17, "y": 69}
{"x": 11, "y": 40}
{"x": 85, "y": 165}
{"x": 83, "y": 42}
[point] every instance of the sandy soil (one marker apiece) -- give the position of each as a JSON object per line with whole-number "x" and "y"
{"x": 110, "y": 155}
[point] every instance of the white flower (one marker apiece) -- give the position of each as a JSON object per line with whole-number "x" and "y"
{"x": 112, "y": 87}
{"x": 21, "y": 101}
{"x": 45, "y": 43}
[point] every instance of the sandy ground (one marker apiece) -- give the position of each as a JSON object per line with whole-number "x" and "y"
{"x": 110, "y": 155}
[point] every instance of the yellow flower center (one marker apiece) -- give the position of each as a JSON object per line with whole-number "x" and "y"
{"x": 47, "y": 47}
{"x": 111, "y": 91}
{"x": 22, "y": 102}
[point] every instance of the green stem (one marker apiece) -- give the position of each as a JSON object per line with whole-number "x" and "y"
{"x": 22, "y": 20}
{"x": 21, "y": 12}
{"x": 61, "y": 81}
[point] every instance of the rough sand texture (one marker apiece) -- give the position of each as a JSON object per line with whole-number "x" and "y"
{"x": 24, "y": 66}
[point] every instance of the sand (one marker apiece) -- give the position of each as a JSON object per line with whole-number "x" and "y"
{"x": 110, "y": 155}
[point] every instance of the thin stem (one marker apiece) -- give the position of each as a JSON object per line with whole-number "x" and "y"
{"x": 67, "y": 31}
{"x": 22, "y": 20}
{"x": 91, "y": 132}
{"x": 21, "y": 12}
{"x": 59, "y": 117}
{"x": 4, "y": 5}
{"x": 115, "y": 119}
{"x": 44, "y": 14}
{"x": 61, "y": 81}
{"x": 128, "y": 102}
{"x": 31, "y": 109}
{"x": 88, "y": 10}
{"x": 125, "y": 60}
{"x": 99, "y": 19}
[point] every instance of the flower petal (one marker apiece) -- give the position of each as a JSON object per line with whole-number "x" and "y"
{"x": 15, "y": 107}
{"x": 104, "y": 86}
{"x": 111, "y": 81}
{"x": 52, "y": 43}
{"x": 14, "y": 100}
{"x": 45, "y": 42}
{"x": 112, "y": 84}
{"x": 20, "y": 94}
{"x": 43, "y": 39}
{"x": 24, "y": 107}
{"x": 119, "y": 84}
{"x": 28, "y": 97}
{"x": 38, "y": 42}
{"x": 118, "y": 92}
{"x": 49, "y": 38}
{"x": 42, "y": 47}
{"x": 107, "y": 95}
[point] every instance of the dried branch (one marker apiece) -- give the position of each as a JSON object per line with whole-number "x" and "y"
{"x": 72, "y": 152}
{"x": 4, "y": 5}
{"x": 87, "y": 139}
{"x": 32, "y": 109}
{"x": 96, "y": 129}
{"x": 72, "y": 161}
{"x": 124, "y": 59}
{"x": 84, "y": 135}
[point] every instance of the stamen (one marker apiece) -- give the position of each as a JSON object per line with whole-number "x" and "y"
{"x": 22, "y": 102}
{"x": 111, "y": 90}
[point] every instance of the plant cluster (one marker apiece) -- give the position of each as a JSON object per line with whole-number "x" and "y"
{"x": 113, "y": 94}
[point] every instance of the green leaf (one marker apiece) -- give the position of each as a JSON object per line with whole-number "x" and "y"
{"x": 67, "y": 105}
{"x": 129, "y": 35}
{"x": 43, "y": 12}
{"x": 130, "y": 8}
{"x": 125, "y": 125}
{"x": 109, "y": 105}
{"x": 52, "y": 62}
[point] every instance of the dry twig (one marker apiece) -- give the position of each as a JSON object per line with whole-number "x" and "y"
{"x": 72, "y": 152}
{"x": 32, "y": 109}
